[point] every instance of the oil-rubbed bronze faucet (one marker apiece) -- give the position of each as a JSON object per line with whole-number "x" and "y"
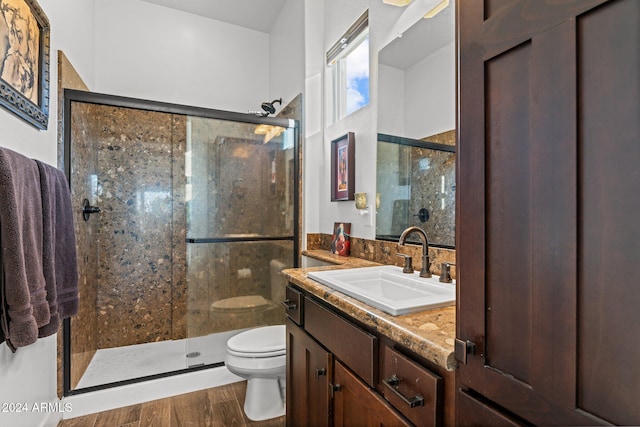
{"x": 425, "y": 272}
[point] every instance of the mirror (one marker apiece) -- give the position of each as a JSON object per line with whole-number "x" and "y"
{"x": 416, "y": 125}
{"x": 416, "y": 184}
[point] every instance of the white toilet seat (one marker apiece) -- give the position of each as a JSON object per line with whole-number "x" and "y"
{"x": 256, "y": 367}
{"x": 256, "y": 355}
{"x": 259, "y": 342}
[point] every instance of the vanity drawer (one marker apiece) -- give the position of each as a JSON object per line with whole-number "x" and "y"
{"x": 355, "y": 347}
{"x": 412, "y": 389}
{"x": 293, "y": 304}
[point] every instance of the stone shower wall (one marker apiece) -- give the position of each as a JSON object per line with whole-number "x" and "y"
{"x": 84, "y": 162}
{"x": 441, "y": 227}
{"x": 135, "y": 287}
{"x": 137, "y": 230}
{"x": 427, "y": 169}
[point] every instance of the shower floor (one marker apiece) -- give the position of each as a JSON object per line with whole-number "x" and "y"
{"x": 124, "y": 363}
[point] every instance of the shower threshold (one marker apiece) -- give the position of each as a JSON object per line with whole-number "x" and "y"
{"x": 118, "y": 364}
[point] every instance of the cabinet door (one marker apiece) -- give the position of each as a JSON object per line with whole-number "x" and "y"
{"x": 548, "y": 207}
{"x": 308, "y": 373}
{"x": 355, "y": 404}
{"x": 473, "y": 413}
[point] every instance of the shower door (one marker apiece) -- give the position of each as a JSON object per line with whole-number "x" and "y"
{"x": 240, "y": 198}
{"x": 196, "y": 207}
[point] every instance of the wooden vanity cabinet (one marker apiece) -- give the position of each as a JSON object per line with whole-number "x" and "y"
{"x": 336, "y": 373}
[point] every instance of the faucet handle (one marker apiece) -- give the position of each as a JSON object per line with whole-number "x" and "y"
{"x": 408, "y": 263}
{"x": 445, "y": 273}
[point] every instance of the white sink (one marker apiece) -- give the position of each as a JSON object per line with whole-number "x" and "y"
{"x": 389, "y": 289}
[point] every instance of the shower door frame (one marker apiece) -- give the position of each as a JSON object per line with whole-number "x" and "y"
{"x": 70, "y": 96}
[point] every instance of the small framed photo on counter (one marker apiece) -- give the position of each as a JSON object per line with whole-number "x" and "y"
{"x": 341, "y": 241}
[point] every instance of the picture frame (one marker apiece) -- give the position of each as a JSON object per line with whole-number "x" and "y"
{"x": 24, "y": 61}
{"x": 341, "y": 239}
{"x": 343, "y": 172}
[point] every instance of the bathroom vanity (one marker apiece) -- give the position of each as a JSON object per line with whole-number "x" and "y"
{"x": 349, "y": 363}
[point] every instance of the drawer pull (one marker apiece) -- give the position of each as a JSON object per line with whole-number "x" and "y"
{"x": 289, "y": 305}
{"x": 320, "y": 372}
{"x": 393, "y": 382}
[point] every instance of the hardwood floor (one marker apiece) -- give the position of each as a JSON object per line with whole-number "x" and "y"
{"x": 220, "y": 406}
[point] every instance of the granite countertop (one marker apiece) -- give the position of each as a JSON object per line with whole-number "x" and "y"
{"x": 428, "y": 333}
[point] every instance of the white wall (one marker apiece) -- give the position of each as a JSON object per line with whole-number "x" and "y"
{"x": 29, "y": 375}
{"x": 286, "y": 53}
{"x": 419, "y": 101}
{"x": 338, "y": 16}
{"x": 391, "y": 89}
{"x": 152, "y": 52}
{"x": 430, "y": 95}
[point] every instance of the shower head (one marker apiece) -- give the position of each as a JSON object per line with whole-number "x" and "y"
{"x": 269, "y": 108}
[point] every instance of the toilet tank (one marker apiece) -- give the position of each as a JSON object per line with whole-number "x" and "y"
{"x": 278, "y": 282}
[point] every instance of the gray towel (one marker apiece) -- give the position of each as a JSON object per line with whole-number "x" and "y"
{"x": 25, "y": 306}
{"x": 60, "y": 265}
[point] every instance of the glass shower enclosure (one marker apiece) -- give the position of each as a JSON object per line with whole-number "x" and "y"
{"x": 185, "y": 218}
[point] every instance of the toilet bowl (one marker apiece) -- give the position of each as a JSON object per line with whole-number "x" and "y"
{"x": 259, "y": 356}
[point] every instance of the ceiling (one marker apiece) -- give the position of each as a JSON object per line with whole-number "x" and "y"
{"x": 257, "y": 15}
{"x": 421, "y": 40}
{"x": 260, "y": 15}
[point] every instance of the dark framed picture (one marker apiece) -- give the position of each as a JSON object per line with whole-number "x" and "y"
{"x": 24, "y": 61}
{"x": 341, "y": 241}
{"x": 343, "y": 171}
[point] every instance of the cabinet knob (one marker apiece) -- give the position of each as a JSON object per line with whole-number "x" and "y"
{"x": 320, "y": 372}
{"x": 334, "y": 388}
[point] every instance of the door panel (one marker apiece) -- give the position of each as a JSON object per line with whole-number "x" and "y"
{"x": 610, "y": 232}
{"x": 546, "y": 204}
{"x": 309, "y": 387}
{"x": 508, "y": 176}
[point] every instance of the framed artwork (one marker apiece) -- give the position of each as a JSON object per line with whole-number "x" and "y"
{"x": 343, "y": 172}
{"x": 24, "y": 61}
{"x": 341, "y": 240}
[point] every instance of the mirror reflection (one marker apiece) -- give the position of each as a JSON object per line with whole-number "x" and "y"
{"x": 416, "y": 125}
{"x": 416, "y": 183}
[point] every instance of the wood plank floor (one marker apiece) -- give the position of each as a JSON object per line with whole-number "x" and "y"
{"x": 219, "y": 406}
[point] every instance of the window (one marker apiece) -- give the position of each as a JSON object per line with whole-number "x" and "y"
{"x": 349, "y": 62}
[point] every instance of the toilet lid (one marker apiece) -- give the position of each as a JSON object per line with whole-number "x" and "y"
{"x": 243, "y": 302}
{"x": 259, "y": 342}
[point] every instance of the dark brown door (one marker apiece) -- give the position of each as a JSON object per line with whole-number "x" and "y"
{"x": 548, "y": 236}
{"x": 308, "y": 374}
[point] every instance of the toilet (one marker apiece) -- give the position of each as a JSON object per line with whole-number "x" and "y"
{"x": 259, "y": 355}
{"x": 247, "y": 306}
